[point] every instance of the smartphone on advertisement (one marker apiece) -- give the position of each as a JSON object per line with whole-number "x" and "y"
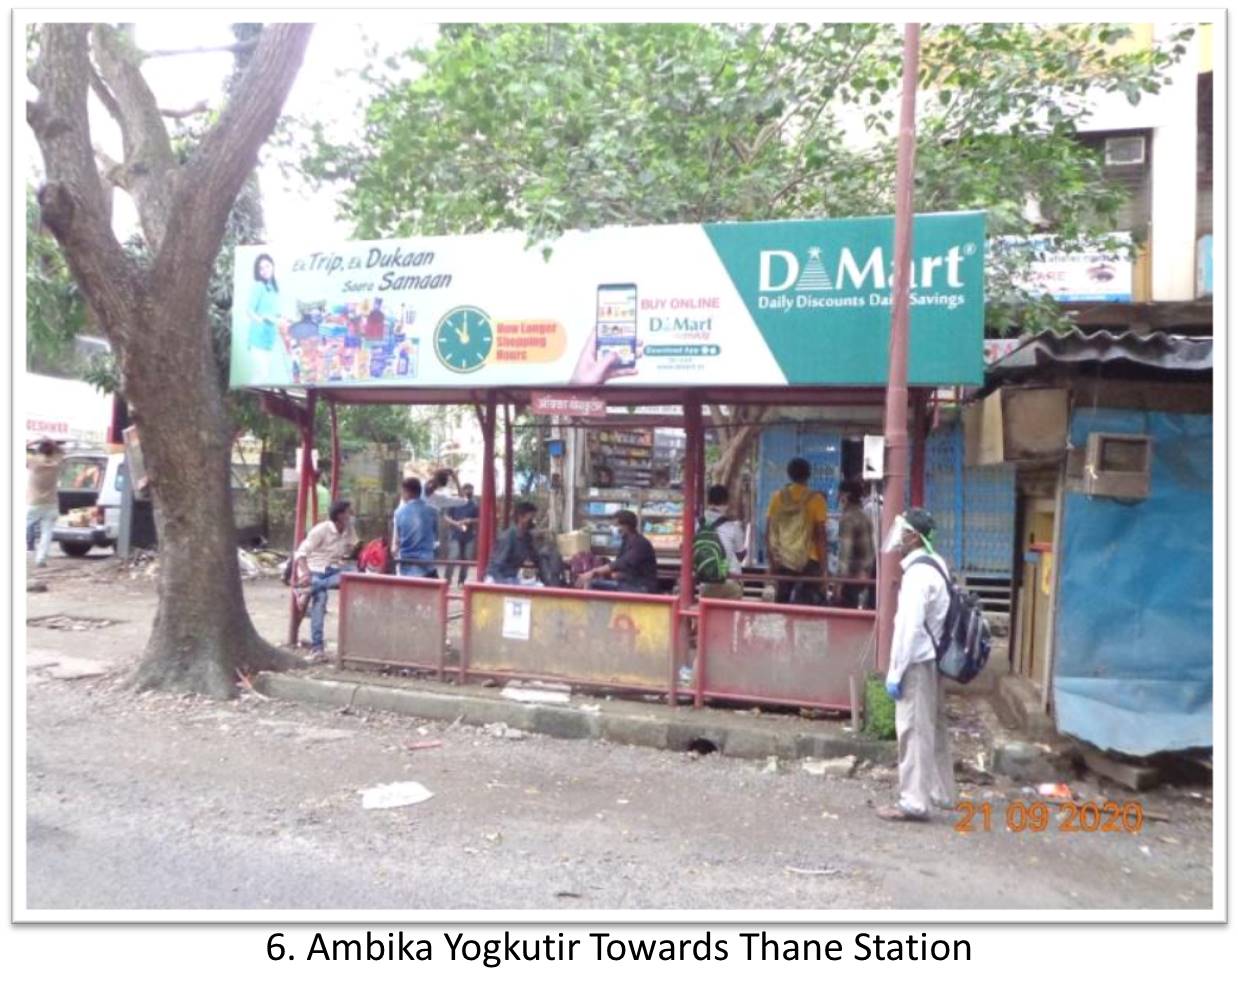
{"x": 616, "y": 323}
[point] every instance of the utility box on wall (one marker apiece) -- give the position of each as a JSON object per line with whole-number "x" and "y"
{"x": 1016, "y": 424}
{"x": 1117, "y": 465}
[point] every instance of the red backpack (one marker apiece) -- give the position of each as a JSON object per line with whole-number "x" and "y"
{"x": 374, "y": 558}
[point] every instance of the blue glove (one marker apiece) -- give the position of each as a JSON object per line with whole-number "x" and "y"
{"x": 894, "y": 689}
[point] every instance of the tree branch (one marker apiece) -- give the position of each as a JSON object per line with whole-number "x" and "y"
{"x": 106, "y": 97}
{"x": 229, "y": 151}
{"x": 73, "y": 202}
{"x": 149, "y": 161}
{"x": 112, "y": 174}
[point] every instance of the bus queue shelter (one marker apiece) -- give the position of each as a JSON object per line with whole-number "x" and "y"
{"x": 780, "y": 314}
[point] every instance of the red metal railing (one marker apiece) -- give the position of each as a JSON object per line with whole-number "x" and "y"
{"x": 601, "y": 646}
{"x": 390, "y": 621}
{"x": 747, "y": 651}
{"x": 794, "y": 655}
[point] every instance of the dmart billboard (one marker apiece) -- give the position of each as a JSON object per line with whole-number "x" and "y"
{"x": 753, "y": 304}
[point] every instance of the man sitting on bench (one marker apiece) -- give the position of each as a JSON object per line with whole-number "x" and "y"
{"x": 636, "y": 567}
{"x": 515, "y": 548}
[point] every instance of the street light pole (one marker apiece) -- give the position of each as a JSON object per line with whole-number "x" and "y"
{"x": 896, "y": 387}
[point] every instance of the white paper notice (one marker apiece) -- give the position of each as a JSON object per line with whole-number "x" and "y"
{"x": 517, "y": 614}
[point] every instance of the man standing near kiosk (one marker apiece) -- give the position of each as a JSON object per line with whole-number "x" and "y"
{"x": 925, "y": 771}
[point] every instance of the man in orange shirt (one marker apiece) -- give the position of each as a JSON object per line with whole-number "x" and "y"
{"x": 795, "y": 538}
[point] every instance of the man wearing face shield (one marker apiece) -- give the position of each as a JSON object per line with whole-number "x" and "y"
{"x": 925, "y": 771}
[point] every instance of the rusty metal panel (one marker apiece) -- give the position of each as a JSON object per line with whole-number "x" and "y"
{"x": 392, "y": 620}
{"x": 795, "y": 655}
{"x": 587, "y": 637}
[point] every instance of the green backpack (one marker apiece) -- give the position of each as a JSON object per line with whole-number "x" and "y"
{"x": 709, "y": 561}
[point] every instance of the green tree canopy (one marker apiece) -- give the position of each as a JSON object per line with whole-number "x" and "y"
{"x": 55, "y": 309}
{"x": 546, "y": 127}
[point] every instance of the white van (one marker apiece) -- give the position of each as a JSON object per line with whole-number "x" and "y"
{"x": 82, "y": 529}
{"x": 98, "y": 525}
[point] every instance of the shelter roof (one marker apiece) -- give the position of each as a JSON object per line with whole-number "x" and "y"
{"x": 653, "y": 395}
{"x": 1152, "y": 351}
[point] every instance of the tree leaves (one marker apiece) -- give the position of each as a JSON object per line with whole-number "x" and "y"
{"x": 55, "y": 308}
{"x": 546, "y": 127}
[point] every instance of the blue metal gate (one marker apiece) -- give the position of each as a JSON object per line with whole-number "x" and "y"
{"x": 974, "y": 507}
{"x": 822, "y": 448}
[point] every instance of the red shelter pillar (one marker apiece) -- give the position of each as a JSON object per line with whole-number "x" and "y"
{"x": 305, "y": 486}
{"x": 509, "y": 471}
{"x": 693, "y": 458}
{"x": 485, "y": 531}
{"x": 335, "y": 453}
{"x": 702, "y": 476}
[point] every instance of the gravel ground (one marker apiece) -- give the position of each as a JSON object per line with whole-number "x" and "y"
{"x": 158, "y": 801}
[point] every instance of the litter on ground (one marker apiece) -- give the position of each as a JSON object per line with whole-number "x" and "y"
{"x": 394, "y": 794}
{"x": 537, "y": 692}
{"x": 504, "y": 732}
{"x": 842, "y": 766}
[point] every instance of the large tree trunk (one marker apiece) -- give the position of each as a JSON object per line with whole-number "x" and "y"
{"x": 155, "y": 314}
{"x": 202, "y": 632}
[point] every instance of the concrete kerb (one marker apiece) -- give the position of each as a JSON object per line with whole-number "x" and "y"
{"x": 660, "y": 727}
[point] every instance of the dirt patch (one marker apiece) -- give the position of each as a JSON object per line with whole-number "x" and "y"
{"x": 76, "y": 624}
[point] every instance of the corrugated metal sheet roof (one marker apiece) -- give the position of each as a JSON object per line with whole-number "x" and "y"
{"x": 1156, "y": 350}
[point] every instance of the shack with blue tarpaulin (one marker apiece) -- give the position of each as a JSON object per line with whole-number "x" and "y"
{"x": 1110, "y": 438}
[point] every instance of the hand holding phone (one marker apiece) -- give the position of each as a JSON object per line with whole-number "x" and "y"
{"x": 615, "y": 326}
{"x": 592, "y": 370}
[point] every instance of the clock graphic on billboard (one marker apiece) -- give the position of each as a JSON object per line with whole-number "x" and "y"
{"x": 463, "y": 338}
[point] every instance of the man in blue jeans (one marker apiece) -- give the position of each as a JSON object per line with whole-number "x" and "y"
{"x": 322, "y": 555}
{"x": 462, "y": 521}
{"x": 414, "y": 533}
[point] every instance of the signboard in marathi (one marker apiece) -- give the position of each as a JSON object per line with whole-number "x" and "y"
{"x": 580, "y": 405}
{"x": 1080, "y": 276}
{"x": 764, "y": 303}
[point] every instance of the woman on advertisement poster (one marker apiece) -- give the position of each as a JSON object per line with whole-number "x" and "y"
{"x": 265, "y": 350}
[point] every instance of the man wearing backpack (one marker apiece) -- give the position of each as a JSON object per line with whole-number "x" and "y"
{"x": 718, "y": 548}
{"x": 925, "y": 770}
{"x": 795, "y": 537}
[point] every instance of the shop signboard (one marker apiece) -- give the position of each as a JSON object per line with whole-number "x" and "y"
{"x": 67, "y": 410}
{"x": 761, "y": 303}
{"x": 561, "y": 403}
{"x": 1078, "y": 276}
{"x": 997, "y": 349}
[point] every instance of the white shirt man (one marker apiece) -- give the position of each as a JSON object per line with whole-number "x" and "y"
{"x": 326, "y": 547}
{"x": 323, "y": 552}
{"x": 732, "y": 536}
{"x": 925, "y": 770}
{"x": 923, "y": 602}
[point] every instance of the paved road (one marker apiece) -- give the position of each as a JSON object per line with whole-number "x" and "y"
{"x": 157, "y": 801}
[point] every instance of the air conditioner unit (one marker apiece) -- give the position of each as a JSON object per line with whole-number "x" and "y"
{"x": 1117, "y": 465}
{"x": 1128, "y": 150}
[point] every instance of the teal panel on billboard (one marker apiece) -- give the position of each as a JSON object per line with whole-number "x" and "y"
{"x": 819, "y": 291}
